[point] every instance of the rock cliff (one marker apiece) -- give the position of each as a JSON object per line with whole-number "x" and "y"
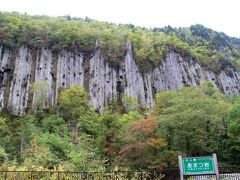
{"x": 19, "y": 69}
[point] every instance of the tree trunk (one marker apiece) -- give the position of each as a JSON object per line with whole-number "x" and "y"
{"x": 74, "y": 132}
{"x": 21, "y": 145}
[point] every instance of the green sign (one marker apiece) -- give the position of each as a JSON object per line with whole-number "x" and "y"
{"x": 198, "y": 165}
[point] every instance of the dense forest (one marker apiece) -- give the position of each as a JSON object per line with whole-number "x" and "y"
{"x": 192, "y": 121}
{"x": 72, "y": 136}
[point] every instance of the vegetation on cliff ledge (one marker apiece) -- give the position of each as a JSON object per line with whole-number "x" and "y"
{"x": 214, "y": 50}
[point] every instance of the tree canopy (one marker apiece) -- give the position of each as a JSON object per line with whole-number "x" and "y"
{"x": 193, "y": 121}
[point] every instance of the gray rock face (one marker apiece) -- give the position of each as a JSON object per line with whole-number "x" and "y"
{"x": 44, "y": 77}
{"x": 19, "y": 70}
{"x": 175, "y": 72}
{"x": 133, "y": 85}
{"x": 230, "y": 84}
{"x": 1, "y": 81}
{"x": 4, "y": 62}
{"x": 69, "y": 70}
{"x": 19, "y": 89}
{"x": 169, "y": 75}
{"x": 4, "y": 70}
{"x": 102, "y": 82}
{"x": 148, "y": 90}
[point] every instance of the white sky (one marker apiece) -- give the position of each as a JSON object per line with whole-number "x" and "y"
{"x": 219, "y": 15}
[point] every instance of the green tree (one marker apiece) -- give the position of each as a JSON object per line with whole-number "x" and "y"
{"x": 233, "y": 142}
{"x": 40, "y": 95}
{"x": 107, "y": 139}
{"x": 84, "y": 156}
{"x": 3, "y": 156}
{"x": 54, "y": 124}
{"x": 192, "y": 119}
{"x": 130, "y": 104}
{"x": 36, "y": 155}
{"x": 4, "y": 131}
{"x": 27, "y": 129}
{"x": 73, "y": 104}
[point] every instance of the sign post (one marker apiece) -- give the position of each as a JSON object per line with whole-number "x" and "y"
{"x": 193, "y": 166}
{"x": 180, "y": 167}
{"x": 216, "y": 166}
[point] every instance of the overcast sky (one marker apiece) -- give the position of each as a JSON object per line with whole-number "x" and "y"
{"x": 220, "y": 15}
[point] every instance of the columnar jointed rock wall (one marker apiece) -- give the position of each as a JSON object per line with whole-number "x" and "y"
{"x": 4, "y": 56}
{"x": 133, "y": 78}
{"x": 102, "y": 81}
{"x": 19, "y": 89}
{"x": 43, "y": 72}
{"x": 69, "y": 70}
{"x": 19, "y": 69}
{"x": 230, "y": 84}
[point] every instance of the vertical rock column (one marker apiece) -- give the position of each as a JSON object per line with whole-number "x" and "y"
{"x": 70, "y": 70}
{"x": 230, "y": 84}
{"x": 19, "y": 89}
{"x": 102, "y": 82}
{"x": 4, "y": 65}
{"x": 149, "y": 102}
{"x": 176, "y": 72}
{"x": 169, "y": 75}
{"x": 43, "y": 74}
{"x": 133, "y": 86}
{"x": 193, "y": 73}
{"x": 1, "y": 80}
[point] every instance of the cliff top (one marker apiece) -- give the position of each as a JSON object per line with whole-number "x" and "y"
{"x": 214, "y": 50}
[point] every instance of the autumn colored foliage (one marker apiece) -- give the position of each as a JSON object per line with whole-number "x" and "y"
{"x": 142, "y": 144}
